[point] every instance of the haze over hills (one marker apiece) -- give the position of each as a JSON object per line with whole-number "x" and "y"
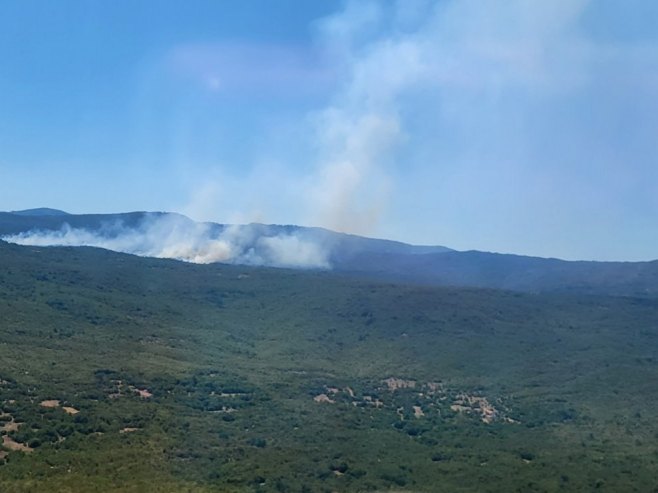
{"x": 172, "y": 235}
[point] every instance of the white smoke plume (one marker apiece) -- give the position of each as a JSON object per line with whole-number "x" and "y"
{"x": 410, "y": 66}
{"x": 177, "y": 237}
{"x": 417, "y": 89}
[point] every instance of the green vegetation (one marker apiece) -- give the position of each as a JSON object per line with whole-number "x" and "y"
{"x": 133, "y": 374}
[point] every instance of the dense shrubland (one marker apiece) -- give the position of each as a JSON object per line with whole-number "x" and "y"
{"x": 220, "y": 378}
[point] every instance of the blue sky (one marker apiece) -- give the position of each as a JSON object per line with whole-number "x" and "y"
{"x": 512, "y": 125}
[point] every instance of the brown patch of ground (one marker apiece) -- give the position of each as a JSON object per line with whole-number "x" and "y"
{"x": 11, "y": 444}
{"x": 398, "y": 383}
{"x": 372, "y": 402}
{"x": 418, "y": 412}
{"x": 433, "y": 387}
{"x": 10, "y": 426}
{"x": 128, "y": 430}
{"x": 144, "y": 393}
{"x": 49, "y": 403}
{"x": 468, "y": 403}
{"x": 70, "y": 410}
{"x": 225, "y": 409}
{"x": 323, "y": 398}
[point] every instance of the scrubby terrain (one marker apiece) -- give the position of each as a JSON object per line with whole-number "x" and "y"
{"x": 120, "y": 373}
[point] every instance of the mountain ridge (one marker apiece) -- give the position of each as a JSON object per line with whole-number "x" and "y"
{"x": 40, "y": 211}
{"x": 360, "y": 256}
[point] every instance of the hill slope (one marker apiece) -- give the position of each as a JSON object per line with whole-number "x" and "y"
{"x": 294, "y": 246}
{"x": 514, "y": 272}
{"x": 232, "y": 378}
{"x": 41, "y": 211}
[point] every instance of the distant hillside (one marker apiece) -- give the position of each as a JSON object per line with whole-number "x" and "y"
{"x": 296, "y": 246}
{"x": 513, "y": 272}
{"x": 22, "y": 221}
{"x": 41, "y": 211}
{"x": 245, "y": 239}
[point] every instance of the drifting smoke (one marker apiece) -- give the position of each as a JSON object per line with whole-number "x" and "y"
{"x": 358, "y": 134}
{"x": 177, "y": 237}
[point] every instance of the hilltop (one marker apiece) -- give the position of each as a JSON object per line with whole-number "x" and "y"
{"x": 165, "y": 234}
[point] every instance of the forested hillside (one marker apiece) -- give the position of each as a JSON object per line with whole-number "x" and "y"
{"x": 121, "y": 373}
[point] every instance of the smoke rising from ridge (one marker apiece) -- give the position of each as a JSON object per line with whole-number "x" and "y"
{"x": 407, "y": 67}
{"x": 177, "y": 237}
{"x": 505, "y": 125}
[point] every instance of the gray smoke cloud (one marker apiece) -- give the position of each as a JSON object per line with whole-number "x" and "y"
{"x": 177, "y": 237}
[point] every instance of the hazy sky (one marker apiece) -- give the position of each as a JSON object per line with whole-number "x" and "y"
{"x": 514, "y": 125}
